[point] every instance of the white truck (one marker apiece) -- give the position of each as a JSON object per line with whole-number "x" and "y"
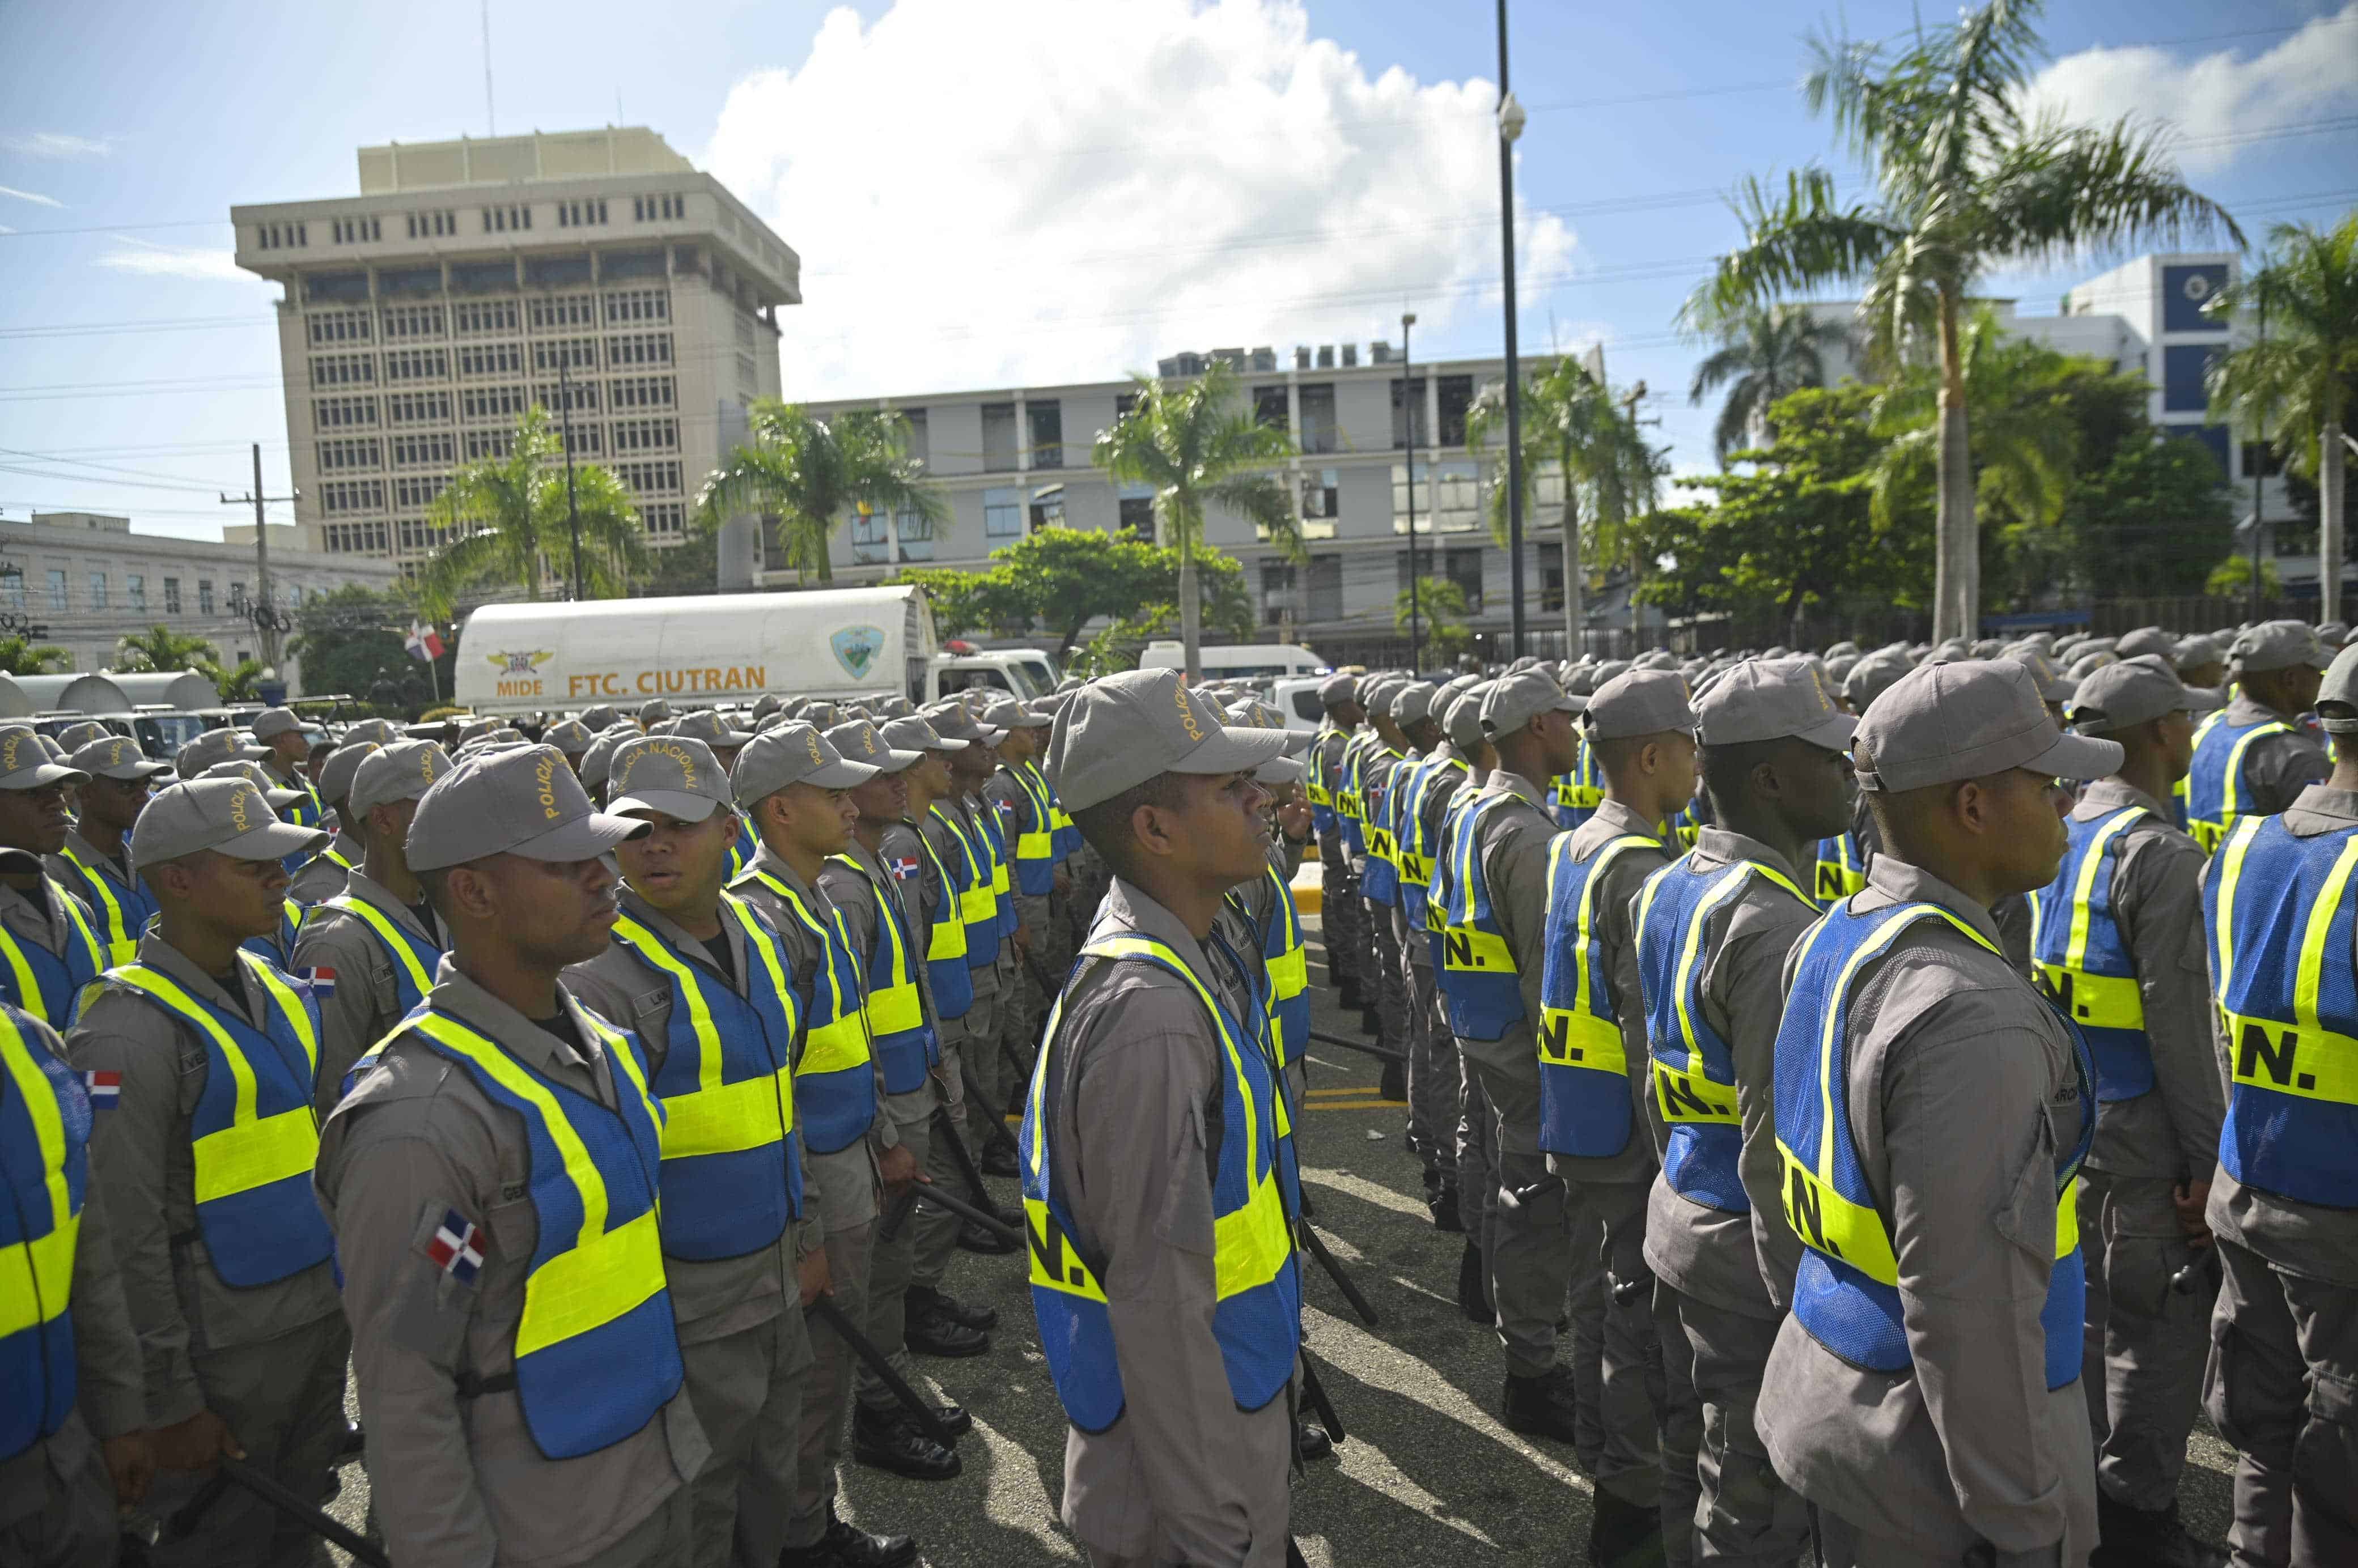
{"x": 705, "y": 650}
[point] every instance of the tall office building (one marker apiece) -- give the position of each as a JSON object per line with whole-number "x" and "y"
{"x": 471, "y": 279}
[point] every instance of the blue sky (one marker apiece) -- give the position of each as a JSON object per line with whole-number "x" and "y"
{"x": 1024, "y": 191}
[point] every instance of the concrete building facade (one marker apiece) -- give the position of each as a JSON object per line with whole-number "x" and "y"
{"x": 469, "y": 280}
{"x": 86, "y": 580}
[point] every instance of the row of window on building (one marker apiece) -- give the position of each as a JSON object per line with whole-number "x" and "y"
{"x": 492, "y": 318}
{"x": 429, "y": 449}
{"x": 442, "y": 222}
{"x": 55, "y": 594}
{"x": 502, "y": 404}
{"x": 475, "y": 360}
{"x": 411, "y": 538}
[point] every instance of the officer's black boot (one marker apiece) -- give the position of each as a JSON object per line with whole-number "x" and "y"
{"x": 2147, "y": 1538}
{"x": 846, "y": 1546}
{"x": 1394, "y": 1082}
{"x": 1312, "y": 1442}
{"x": 924, "y": 1298}
{"x": 1474, "y": 1286}
{"x": 998, "y": 1158}
{"x": 1624, "y": 1534}
{"x": 973, "y": 1237}
{"x": 1541, "y": 1406}
{"x": 928, "y": 1330}
{"x": 1444, "y": 1205}
{"x": 892, "y": 1440}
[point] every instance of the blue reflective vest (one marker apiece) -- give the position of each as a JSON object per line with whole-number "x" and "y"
{"x": 1257, "y": 1314}
{"x": 731, "y": 1177}
{"x": 1846, "y": 1292}
{"x": 899, "y": 1035}
{"x": 946, "y": 972}
{"x": 1842, "y": 866}
{"x": 1585, "y": 1097}
{"x": 978, "y": 905}
{"x": 45, "y": 1120}
{"x": 1691, "y": 1065}
{"x": 1350, "y": 794}
{"x": 835, "y": 1087}
{"x": 1418, "y": 847}
{"x": 597, "y": 1349}
{"x": 42, "y": 983}
{"x": 1378, "y": 774}
{"x": 414, "y": 959}
{"x": 1579, "y": 793}
{"x": 1287, "y": 968}
{"x": 2279, "y": 911}
{"x": 2083, "y": 964}
{"x": 1035, "y": 835}
{"x": 1321, "y": 785}
{"x": 1478, "y": 974}
{"x": 2217, "y": 795}
{"x": 124, "y": 908}
{"x": 308, "y": 812}
{"x": 994, "y": 836}
{"x": 255, "y": 1136}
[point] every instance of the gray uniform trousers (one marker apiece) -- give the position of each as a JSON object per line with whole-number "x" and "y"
{"x": 70, "y": 1523}
{"x": 1530, "y": 1246}
{"x": 283, "y": 1398}
{"x": 1390, "y": 991}
{"x": 747, "y": 1391}
{"x": 1630, "y": 1380}
{"x": 1847, "y": 1546}
{"x": 934, "y": 1232}
{"x": 2144, "y": 1344}
{"x": 891, "y": 1266}
{"x": 827, "y": 1399}
{"x": 1431, "y": 1065}
{"x": 1744, "y": 1513}
{"x": 1679, "y": 1416}
{"x": 2282, "y": 1387}
{"x": 1477, "y": 1157}
{"x": 1342, "y": 916}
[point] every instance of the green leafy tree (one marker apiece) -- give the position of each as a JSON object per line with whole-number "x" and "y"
{"x": 1436, "y": 605}
{"x": 1200, "y": 447}
{"x": 689, "y": 567}
{"x": 2296, "y": 383}
{"x": 159, "y": 649}
{"x": 2153, "y": 522}
{"x": 510, "y": 519}
{"x": 240, "y": 684}
{"x": 1764, "y": 353}
{"x": 22, "y": 656}
{"x": 355, "y": 640}
{"x": 810, "y": 473}
{"x": 2231, "y": 579}
{"x": 1058, "y": 580}
{"x": 1964, "y": 180}
{"x": 1610, "y": 477}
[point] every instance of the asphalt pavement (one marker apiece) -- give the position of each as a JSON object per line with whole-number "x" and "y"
{"x": 1427, "y": 1476}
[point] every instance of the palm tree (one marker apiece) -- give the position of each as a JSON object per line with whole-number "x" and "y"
{"x": 1767, "y": 353}
{"x": 2297, "y": 377}
{"x": 509, "y": 518}
{"x": 22, "y": 656}
{"x": 1963, "y": 182}
{"x": 1196, "y": 445}
{"x": 1611, "y": 477}
{"x": 810, "y": 473}
{"x": 160, "y": 649}
{"x": 1438, "y": 605}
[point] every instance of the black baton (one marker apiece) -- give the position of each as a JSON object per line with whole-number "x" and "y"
{"x": 943, "y": 1127}
{"x": 898, "y": 1214}
{"x": 1317, "y": 1249}
{"x": 245, "y": 1475}
{"x": 1315, "y": 1392}
{"x": 1362, "y": 1046}
{"x": 861, "y": 1346}
{"x": 966, "y": 1211}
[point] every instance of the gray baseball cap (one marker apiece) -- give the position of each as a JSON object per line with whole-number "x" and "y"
{"x": 1461, "y": 719}
{"x": 26, "y": 763}
{"x": 384, "y": 731}
{"x": 597, "y": 718}
{"x": 2147, "y": 640}
{"x": 860, "y": 740}
{"x": 1639, "y": 702}
{"x": 674, "y": 774}
{"x": 569, "y": 736}
{"x": 1768, "y": 699}
{"x": 2279, "y": 646}
{"x": 2054, "y": 685}
{"x": 1006, "y": 713}
{"x": 520, "y": 800}
{"x": 708, "y": 725}
{"x": 216, "y": 746}
{"x": 2130, "y": 692}
{"x": 2337, "y": 695}
{"x": 1966, "y": 719}
{"x": 226, "y": 815}
{"x": 791, "y": 754}
{"x": 593, "y": 765}
{"x": 2196, "y": 651}
{"x": 1516, "y": 699}
{"x": 405, "y": 772}
{"x": 1413, "y": 702}
{"x": 956, "y": 721}
{"x": 654, "y": 707}
{"x": 273, "y": 722}
{"x": 1338, "y": 688}
{"x": 1127, "y": 728}
{"x": 74, "y": 737}
{"x": 1871, "y": 677}
{"x": 915, "y": 734}
{"x": 115, "y": 757}
{"x": 255, "y": 773}
{"x": 336, "y": 772}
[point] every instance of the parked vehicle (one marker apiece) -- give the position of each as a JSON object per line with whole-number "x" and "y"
{"x": 1235, "y": 659}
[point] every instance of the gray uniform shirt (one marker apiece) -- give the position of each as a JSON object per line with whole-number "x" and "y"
{"x": 143, "y": 1171}
{"x": 842, "y": 1185}
{"x": 1451, "y": 774}
{"x": 41, "y": 916}
{"x": 860, "y": 890}
{"x": 2277, "y": 768}
{"x": 366, "y": 1002}
{"x": 457, "y": 1479}
{"x": 1741, "y": 1263}
{"x": 1183, "y": 1476}
{"x": 1963, "y": 1084}
{"x": 2157, "y": 899}
{"x": 2300, "y": 1238}
{"x": 322, "y": 876}
{"x": 115, "y": 869}
{"x": 1617, "y": 937}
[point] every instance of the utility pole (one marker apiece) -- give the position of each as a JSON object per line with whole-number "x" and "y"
{"x": 1511, "y": 126}
{"x": 2259, "y": 471}
{"x": 266, "y": 622}
{"x": 1411, "y": 405}
{"x": 572, "y": 502}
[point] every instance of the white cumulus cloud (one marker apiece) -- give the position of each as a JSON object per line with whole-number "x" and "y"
{"x": 2222, "y": 105}
{"x": 152, "y": 260}
{"x": 56, "y": 144}
{"x": 1053, "y": 191}
{"x": 35, "y": 197}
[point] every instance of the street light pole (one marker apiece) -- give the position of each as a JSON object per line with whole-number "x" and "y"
{"x": 1511, "y": 126}
{"x": 1411, "y": 405}
{"x": 268, "y": 626}
{"x": 572, "y": 502}
{"x": 2259, "y": 471}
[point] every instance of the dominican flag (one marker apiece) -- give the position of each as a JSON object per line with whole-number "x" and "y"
{"x": 106, "y": 1089}
{"x": 320, "y": 983}
{"x": 904, "y": 868}
{"x": 424, "y": 644}
{"x": 453, "y": 1248}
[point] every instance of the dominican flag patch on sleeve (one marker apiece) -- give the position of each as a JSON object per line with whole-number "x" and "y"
{"x": 105, "y": 1088}
{"x": 452, "y": 1247}
{"x": 904, "y": 867}
{"x": 320, "y": 983}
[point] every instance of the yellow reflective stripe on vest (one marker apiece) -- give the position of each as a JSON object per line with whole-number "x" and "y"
{"x": 1692, "y": 1093}
{"x": 892, "y": 1004}
{"x": 603, "y": 1273}
{"x": 250, "y": 1152}
{"x": 843, "y": 1041}
{"x": 1289, "y": 973}
{"x": 1035, "y": 843}
{"x": 1575, "y": 1036}
{"x": 977, "y": 903}
{"x": 29, "y": 986}
{"x": 398, "y": 945}
{"x": 2101, "y": 1002}
{"x": 947, "y": 939}
{"x": 2300, "y": 1056}
{"x": 37, "y": 1276}
{"x": 2210, "y": 835}
{"x": 122, "y": 943}
{"x": 716, "y": 1118}
{"x": 1055, "y": 1264}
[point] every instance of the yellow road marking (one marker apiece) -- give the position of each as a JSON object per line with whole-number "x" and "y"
{"x": 1358, "y": 1105}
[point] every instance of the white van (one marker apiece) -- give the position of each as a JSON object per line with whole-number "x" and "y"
{"x": 1296, "y": 697}
{"x": 1235, "y": 660}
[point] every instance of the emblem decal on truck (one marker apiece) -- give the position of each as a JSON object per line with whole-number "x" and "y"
{"x": 856, "y": 648}
{"x": 521, "y": 664}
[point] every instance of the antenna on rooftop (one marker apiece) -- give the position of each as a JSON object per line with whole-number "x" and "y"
{"x": 490, "y": 120}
